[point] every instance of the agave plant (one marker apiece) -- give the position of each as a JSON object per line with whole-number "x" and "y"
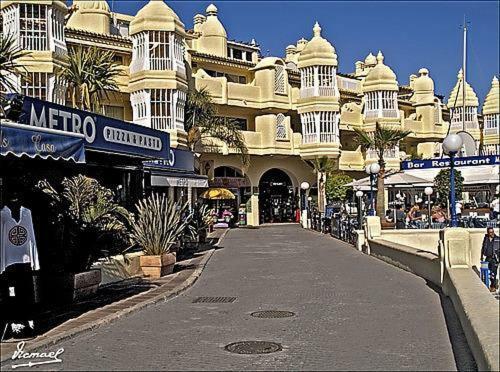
{"x": 92, "y": 225}
{"x": 200, "y": 221}
{"x": 159, "y": 225}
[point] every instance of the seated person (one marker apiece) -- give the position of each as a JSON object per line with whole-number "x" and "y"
{"x": 415, "y": 214}
{"x": 397, "y": 216}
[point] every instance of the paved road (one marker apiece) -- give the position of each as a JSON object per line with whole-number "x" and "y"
{"x": 353, "y": 312}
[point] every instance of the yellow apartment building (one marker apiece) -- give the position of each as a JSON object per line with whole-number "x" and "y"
{"x": 292, "y": 108}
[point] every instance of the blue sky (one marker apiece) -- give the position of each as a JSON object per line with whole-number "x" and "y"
{"x": 411, "y": 34}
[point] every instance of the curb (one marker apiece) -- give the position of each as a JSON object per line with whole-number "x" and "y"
{"x": 163, "y": 297}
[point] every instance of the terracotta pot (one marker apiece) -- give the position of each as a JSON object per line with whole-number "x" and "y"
{"x": 155, "y": 267}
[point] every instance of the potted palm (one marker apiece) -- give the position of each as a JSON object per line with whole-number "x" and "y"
{"x": 159, "y": 226}
{"x": 89, "y": 225}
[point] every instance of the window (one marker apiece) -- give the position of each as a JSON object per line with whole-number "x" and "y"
{"x": 159, "y": 47}
{"x": 328, "y": 127}
{"x": 33, "y": 26}
{"x": 279, "y": 80}
{"x": 161, "y": 109}
{"x": 237, "y": 54}
{"x": 309, "y": 130}
{"x": 230, "y": 77}
{"x": 248, "y": 56}
{"x": 118, "y": 59}
{"x": 115, "y": 112}
{"x": 35, "y": 84}
{"x": 281, "y": 133}
{"x": 227, "y": 172}
{"x": 326, "y": 76}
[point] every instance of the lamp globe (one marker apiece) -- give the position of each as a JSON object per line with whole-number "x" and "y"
{"x": 452, "y": 144}
{"x": 428, "y": 191}
{"x": 374, "y": 168}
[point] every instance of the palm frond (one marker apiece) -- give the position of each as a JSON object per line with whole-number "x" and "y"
{"x": 9, "y": 65}
{"x": 90, "y": 75}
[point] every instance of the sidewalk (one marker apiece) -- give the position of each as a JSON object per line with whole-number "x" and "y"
{"x": 109, "y": 304}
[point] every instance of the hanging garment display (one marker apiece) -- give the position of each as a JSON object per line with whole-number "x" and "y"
{"x": 17, "y": 243}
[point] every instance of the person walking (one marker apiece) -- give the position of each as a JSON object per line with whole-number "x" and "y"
{"x": 490, "y": 254}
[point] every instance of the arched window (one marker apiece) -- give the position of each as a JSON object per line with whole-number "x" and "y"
{"x": 279, "y": 80}
{"x": 281, "y": 133}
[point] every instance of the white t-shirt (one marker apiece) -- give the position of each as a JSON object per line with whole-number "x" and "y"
{"x": 495, "y": 205}
{"x": 458, "y": 208}
{"x": 17, "y": 240}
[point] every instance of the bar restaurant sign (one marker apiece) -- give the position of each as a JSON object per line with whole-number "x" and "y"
{"x": 469, "y": 161}
{"x": 100, "y": 132}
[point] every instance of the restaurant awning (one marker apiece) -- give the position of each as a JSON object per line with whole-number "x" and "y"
{"x": 392, "y": 180}
{"x": 22, "y": 140}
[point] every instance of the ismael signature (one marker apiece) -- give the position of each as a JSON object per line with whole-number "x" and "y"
{"x": 21, "y": 355}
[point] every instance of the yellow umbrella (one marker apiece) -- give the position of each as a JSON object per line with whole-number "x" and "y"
{"x": 218, "y": 193}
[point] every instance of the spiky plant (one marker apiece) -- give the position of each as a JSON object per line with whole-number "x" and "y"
{"x": 93, "y": 224}
{"x": 90, "y": 74}
{"x": 9, "y": 65}
{"x": 201, "y": 220}
{"x": 381, "y": 140}
{"x": 205, "y": 127}
{"x": 159, "y": 225}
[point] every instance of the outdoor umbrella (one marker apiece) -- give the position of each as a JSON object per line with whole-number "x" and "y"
{"x": 398, "y": 180}
{"x": 217, "y": 193}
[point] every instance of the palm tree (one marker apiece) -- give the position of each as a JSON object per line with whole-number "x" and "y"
{"x": 323, "y": 167}
{"x": 202, "y": 123}
{"x": 89, "y": 74}
{"x": 9, "y": 55}
{"x": 380, "y": 140}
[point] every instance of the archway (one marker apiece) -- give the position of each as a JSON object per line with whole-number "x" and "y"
{"x": 276, "y": 197}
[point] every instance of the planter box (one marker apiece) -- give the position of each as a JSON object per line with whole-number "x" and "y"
{"x": 82, "y": 285}
{"x": 157, "y": 266}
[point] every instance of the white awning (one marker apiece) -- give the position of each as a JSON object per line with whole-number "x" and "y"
{"x": 179, "y": 181}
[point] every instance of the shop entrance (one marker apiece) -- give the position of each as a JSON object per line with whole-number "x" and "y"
{"x": 276, "y": 197}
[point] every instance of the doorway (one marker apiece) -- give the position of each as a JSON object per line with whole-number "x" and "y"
{"x": 276, "y": 197}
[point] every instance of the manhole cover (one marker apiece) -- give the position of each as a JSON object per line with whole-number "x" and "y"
{"x": 272, "y": 314}
{"x": 253, "y": 347}
{"x": 214, "y": 300}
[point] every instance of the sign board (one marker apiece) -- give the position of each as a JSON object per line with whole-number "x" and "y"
{"x": 177, "y": 159}
{"x": 445, "y": 162}
{"x": 229, "y": 182}
{"x": 100, "y": 132}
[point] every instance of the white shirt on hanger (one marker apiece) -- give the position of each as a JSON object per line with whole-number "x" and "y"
{"x": 17, "y": 241}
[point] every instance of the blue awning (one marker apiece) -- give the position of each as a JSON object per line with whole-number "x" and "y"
{"x": 19, "y": 140}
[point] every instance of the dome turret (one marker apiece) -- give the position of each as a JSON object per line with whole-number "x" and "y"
{"x": 212, "y": 26}
{"x": 370, "y": 60}
{"x": 492, "y": 102}
{"x": 213, "y": 39}
{"x": 156, "y": 16}
{"x": 93, "y": 16}
{"x": 456, "y": 95}
{"x": 381, "y": 77}
{"x": 423, "y": 87}
{"x": 318, "y": 51}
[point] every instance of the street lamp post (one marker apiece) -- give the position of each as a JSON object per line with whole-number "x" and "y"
{"x": 428, "y": 191}
{"x": 451, "y": 145}
{"x": 359, "y": 194}
{"x": 372, "y": 170}
{"x": 304, "y": 186}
